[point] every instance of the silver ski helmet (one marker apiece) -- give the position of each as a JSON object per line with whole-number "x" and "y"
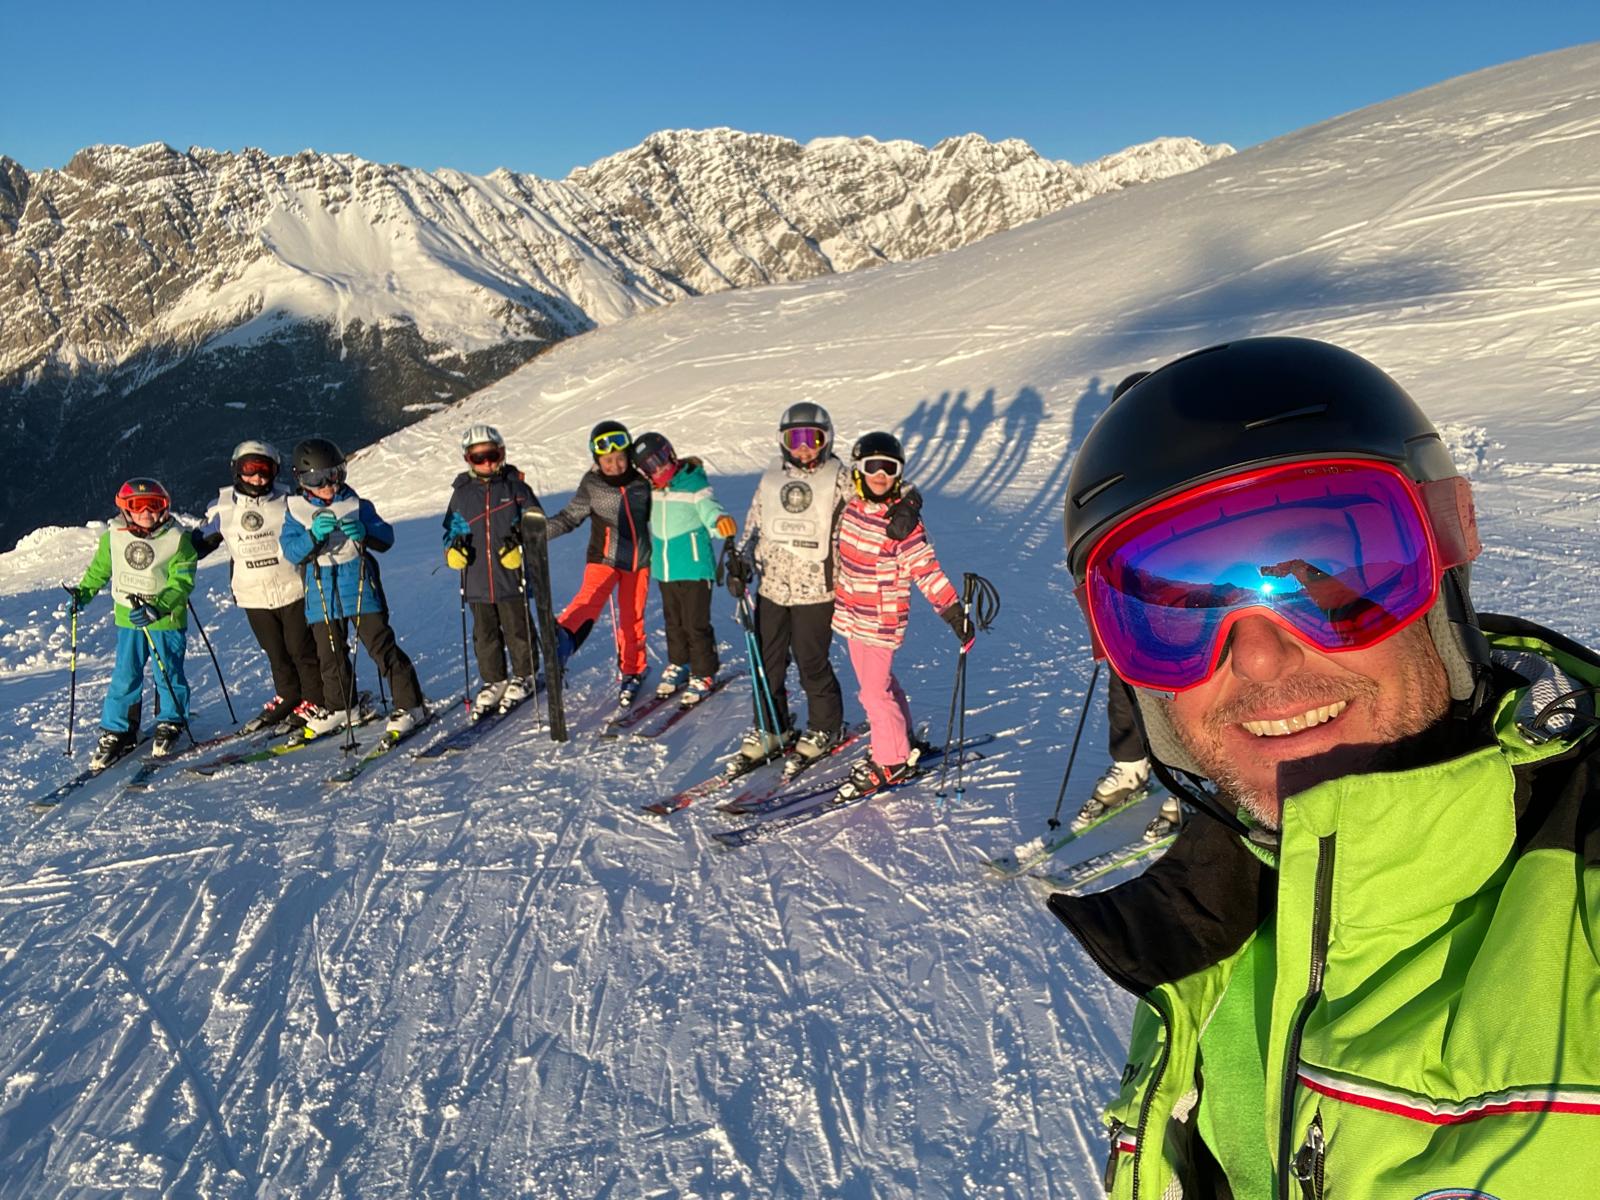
{"x": 805, "y": 415}
{"x": 257, "y": 455}
{"x": 481, "y": 435}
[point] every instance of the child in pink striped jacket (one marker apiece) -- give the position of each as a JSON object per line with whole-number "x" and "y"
{"x": 882, "y": 550}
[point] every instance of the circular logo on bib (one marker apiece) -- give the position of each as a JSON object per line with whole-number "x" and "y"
{"x": 139, "y": 555}
{"x": 252, "y": 521}
{"x": 796, "y": 497}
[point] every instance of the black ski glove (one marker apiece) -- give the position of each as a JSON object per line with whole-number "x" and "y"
{"x": 739, "y": 572}
{"x": 204, "y": 543}
{"x": 904, "y": 514}
{"x": 960, "y": 624}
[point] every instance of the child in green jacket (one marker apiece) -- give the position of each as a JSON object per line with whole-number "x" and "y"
{"x": 683, "y": 515}
{"x": 149, "y": 562}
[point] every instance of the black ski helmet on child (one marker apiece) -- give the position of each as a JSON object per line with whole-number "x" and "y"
{"x": 607, "y": 437}
{"x": 804, "y": 415}
{"x": 877, "y": 446}
{"x": 257, "y": 455}
{"x": 1253, "y": 403}
{"x": 652, "y": 455}
{"x": 317, "y": 462}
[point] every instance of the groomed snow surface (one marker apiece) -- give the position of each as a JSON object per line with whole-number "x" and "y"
{"x": 492, "y": 976}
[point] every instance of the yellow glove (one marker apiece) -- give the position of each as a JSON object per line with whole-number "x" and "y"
{"x": 511, "y": 554}
{"x": 725, "y": 526}
{"x": 456, "y": 556}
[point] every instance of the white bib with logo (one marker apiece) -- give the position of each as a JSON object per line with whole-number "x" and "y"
{"x": 139, "y": 564}
{"x": 262, "y": 578}
{"x": 797, "y": 509}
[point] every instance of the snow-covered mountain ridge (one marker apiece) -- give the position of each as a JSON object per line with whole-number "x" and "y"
{"x": 492, "y": 977}
{"x": 146, "y": 289}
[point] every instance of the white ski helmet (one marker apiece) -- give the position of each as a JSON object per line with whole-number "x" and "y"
{"x": 260, "y": 452}
{"x": 481, "y": 435}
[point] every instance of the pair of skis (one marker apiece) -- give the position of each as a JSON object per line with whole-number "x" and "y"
{"x": 148, "y": 769}
{"x": 1025, "y": 858}
{"x": 637, "y": 716}
{"x": 740, "y": 769}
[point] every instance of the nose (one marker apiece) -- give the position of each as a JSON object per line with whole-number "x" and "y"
{"x": 1260, "y": 650}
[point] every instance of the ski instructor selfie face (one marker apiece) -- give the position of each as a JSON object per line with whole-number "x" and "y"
{"x": 1278, "y": 715}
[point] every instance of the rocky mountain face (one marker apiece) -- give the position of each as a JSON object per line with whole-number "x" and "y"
{"x": 158, "y": 306}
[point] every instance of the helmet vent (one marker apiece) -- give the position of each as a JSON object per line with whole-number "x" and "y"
{"x": 1309, "y": 410}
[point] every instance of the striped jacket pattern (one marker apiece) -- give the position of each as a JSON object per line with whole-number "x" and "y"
{"x": 872, "y": 585}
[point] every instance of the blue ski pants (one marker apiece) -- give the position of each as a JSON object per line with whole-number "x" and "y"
{"x": 127, "y": 679}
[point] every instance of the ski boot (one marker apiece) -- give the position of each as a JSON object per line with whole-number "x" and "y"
{"x": 112, "y": 746}
{"x": 166, "y": 738}
{"x": 758, "y": 746}
{"x": 1166, "y": 822}
{"x": 272, "y": 713}
{"x": 403, "y": 720}
{"x": 517, "y": 690}
{"x": 699, "y": 688}
{"x": 320, "y": 721}
{"x": 673, "y": 678}
{"x": 867, "y": 777}
{"x": 302, "y": 713}
{"x": 488, "y": 699}
{"x": 810, "y": 748}
{"x": 628, "y": 688}
{"x": 1122, "y": 782}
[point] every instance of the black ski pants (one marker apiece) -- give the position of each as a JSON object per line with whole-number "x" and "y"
{"x": 804, "y": 631}
{"x": 1124, "y": 737}
{"x": 497, "y": 626}
{"x": 377, "y": 635}
{"x": 686, "y": 611}
{"x": 286, "y": 638}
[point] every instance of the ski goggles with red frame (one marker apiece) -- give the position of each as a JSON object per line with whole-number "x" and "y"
{"x": 255, "y": 465}
{"x": 1342, "y": 553}
{"x": 144, "y": 504}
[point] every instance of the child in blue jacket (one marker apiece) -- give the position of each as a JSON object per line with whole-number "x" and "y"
{"x": 328, "y": 532}
{"x": 684, "y": 513}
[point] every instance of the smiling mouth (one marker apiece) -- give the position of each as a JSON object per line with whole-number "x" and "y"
{"x": 1287, "y": 725}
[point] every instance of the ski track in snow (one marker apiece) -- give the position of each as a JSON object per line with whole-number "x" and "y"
{"x": 491, "y": 975}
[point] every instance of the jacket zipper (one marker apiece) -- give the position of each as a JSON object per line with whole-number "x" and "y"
{"x": 1150, "y": 1095}
{"x": 488, "y": 565}
{"x": 633, "y": 530}
{"x": 1309, "y": 1160}
{"x": 1111, "y": 1162}
{"x": 1321, "y": 918}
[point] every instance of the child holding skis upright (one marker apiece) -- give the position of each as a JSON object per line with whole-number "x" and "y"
{"x": 149, "y": 562}
{"x": 615, "y": 499}
{"x": 483, "y": 540}
{"x": 684, "y": 513}
{"x": 882, "y": 550}
{"x": 327, "y": 533}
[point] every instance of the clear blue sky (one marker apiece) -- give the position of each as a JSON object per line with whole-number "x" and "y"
{"x": 545, "y": 87}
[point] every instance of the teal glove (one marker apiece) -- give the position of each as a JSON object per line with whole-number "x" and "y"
{"x": 352, "y": 527}
{"x": 323, "y": 525}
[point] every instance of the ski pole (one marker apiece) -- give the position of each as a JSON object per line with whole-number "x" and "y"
{"x": 161, "y": 666}
{"x": 766, "y": 703}
{"x": 1094, "y": 678}
{"x": 72, "y": 687}
{"x": 333, "y": 648}
{"x": 980, "y": 603}
{"x": 200, "y": 625}
{"x": 466, "y": 671}
{"x": 361, "y": 583}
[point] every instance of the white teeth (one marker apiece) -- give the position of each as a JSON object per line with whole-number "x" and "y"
{"x": 1278, "y": 728}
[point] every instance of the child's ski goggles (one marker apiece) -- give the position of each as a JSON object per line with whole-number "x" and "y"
{"x": 805, "y": 437}
{"x": 145, "y": 504}
{"x": 1341, "y": 553}
{"x": 880, "y": 466}
{"x": 316, "y": 477}
{"x": 486, "y": 455}
{"x": 255, "y": 465}
{"x": 606, "y": 443}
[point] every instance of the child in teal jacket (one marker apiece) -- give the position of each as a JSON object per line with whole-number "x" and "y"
{"x": 683, "y": 515}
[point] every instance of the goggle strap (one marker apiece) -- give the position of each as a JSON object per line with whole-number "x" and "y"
{"x": 1454, "y": 520}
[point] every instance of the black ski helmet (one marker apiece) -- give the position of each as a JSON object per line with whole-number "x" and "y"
{"x": 1127, "y": 382}
{"x": 1252, "y": 403}
{"x": 651, "y": 454}
{"x": 608, "y": 427}
{"x": 264, "y": 451}
{"x": 876, "y": 445}
{"x": 318, "y": 462}
{"x": 805, "y": 415}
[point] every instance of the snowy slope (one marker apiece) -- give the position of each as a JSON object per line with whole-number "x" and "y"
{"x": 492, "y": 977}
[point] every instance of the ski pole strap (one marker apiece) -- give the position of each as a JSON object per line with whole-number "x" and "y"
{"x": 1088, "y": 697}
{"x": 981, "y": 599}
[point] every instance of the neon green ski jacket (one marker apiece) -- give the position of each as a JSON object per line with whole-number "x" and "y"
{"x": 1431, "y": 1012}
